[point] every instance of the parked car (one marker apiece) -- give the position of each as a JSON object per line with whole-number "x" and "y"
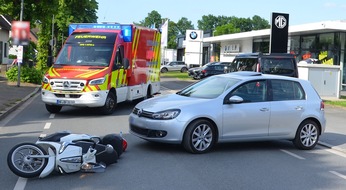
{"x": 276, "y": 63}
{"x": 238, "y": 106}
{"x": 194, "y": 70}
{"x": 211, "y": 69}
{"x": 174, "y": 66}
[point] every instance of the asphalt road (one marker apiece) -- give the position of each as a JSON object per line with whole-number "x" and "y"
{"x": 256, "y": 165}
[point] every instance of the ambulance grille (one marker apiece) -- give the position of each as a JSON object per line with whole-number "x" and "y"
{"x": 67, "y": 85}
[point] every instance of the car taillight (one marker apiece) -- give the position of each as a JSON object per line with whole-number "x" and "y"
{"x": 322, "y": 105}
{"x": 203, "y": 71}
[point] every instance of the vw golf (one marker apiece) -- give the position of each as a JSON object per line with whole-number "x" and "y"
{"x": 239, "y": 106}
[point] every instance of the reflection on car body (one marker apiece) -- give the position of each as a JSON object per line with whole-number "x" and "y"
{"x": 230, "y": 107}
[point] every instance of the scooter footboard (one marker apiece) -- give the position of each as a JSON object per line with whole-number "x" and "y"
{"x": 101, "y": 154}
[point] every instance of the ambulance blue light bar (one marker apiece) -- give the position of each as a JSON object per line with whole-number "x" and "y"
{"x": 126, "y": 30}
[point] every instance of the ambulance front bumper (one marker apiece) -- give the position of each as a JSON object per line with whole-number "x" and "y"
{"x": 85, "y": 99}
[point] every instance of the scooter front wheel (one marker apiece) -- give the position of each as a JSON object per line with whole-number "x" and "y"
{"x": 24, "y": 160}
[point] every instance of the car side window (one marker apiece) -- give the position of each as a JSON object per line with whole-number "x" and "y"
{"x": 286, "y": 90}
{"x": 254, "y": 91}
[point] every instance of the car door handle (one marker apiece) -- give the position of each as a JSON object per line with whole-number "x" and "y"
{"x": 264, "y": 109}
{"x": 299, "y": 108}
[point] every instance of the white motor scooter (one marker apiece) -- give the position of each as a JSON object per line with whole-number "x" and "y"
{"x": 65, "y": 153}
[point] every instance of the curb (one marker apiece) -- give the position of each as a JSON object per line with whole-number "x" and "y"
{"x": 10, "y": 109}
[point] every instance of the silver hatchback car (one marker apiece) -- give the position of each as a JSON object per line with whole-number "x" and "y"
{"x": 239, "y": 106}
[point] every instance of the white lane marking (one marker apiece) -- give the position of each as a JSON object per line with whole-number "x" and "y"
{"x": 52, "y": 116}
{"x": 292, "y": 154}
{"x": 43, "y": 135}
{"x": 20, "y": 185}
{"x": 338, "y": 174}
{"x": 47, "y": 126}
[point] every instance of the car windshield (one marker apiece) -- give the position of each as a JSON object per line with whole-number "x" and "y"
{"x": 209, "y": 88}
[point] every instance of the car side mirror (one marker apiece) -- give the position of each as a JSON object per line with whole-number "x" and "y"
{"x": 235, "y": 100}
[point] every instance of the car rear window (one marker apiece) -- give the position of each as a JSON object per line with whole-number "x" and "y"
{"x": 278, "y": 66}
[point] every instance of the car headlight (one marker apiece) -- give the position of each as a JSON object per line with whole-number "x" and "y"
{"x": 97, "y": 81}
{"x": 45, "y": 80}
{"x": 167, "y": 114}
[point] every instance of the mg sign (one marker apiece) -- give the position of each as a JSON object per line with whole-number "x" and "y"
{"x": 279, "y": 33}
{"x": 280, "y": 22}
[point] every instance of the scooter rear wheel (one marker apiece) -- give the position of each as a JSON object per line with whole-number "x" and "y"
{"x": 21, "y": 162}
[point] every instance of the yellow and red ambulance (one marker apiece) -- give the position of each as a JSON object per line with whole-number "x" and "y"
{"x": 101, "y": 65}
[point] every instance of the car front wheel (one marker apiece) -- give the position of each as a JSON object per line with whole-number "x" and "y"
{"x": 199, "y": 136}
{"x": 307, "y": 135}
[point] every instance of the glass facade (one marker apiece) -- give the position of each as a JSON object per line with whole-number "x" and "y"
{"x": 325, "y": 48}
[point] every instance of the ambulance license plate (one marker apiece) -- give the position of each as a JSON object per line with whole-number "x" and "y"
{"x": 65, "y": 102}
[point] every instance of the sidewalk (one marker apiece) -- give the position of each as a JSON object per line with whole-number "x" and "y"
{"x": 12, "y": 96}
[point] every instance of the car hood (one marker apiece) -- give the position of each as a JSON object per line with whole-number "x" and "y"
{"x": 171, "y": 101}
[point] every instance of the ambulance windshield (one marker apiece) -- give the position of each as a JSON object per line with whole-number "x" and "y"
{"x": 87, "y": 49}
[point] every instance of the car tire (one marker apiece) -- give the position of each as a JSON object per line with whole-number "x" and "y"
{"x": 53, "y": 108}
{"x": 199, "y": 137}
{"x": 183, "y": 70}
{"x": 164, "y": 70}
{"x": 307, "y": 135}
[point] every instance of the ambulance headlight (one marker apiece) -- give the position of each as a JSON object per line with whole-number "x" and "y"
{"x": 97, "y": 81}
{"x": 45, "y": 80}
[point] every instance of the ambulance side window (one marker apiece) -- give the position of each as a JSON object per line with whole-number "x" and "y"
{"x": 118, "y": 62}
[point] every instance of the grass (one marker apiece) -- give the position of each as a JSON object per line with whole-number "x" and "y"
{"x": 183, "y": 76}
{"x": 177, "y": 74}
{"x": 341, "y": 102}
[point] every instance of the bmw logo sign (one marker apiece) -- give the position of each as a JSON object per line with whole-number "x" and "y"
{"x": 193, "y": 35}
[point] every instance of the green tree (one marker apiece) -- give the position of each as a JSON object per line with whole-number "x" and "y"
{"x": 208, "y": 22}
{"x": 259, "y": 23}
{"x": 173, "y": 32}
{"x": 184, "y": 24}
{"x": 226, "y": 29}
{"x": 153, "y": 19}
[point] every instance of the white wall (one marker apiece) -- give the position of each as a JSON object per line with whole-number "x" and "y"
{"x": 229, "y": 49}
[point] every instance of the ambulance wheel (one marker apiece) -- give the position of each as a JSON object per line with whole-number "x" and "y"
{"x": 110, "y": 104}
{"x": 53, "y": 108}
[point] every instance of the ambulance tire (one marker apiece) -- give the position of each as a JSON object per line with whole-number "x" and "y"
{"x": 110, "y": 104}
{"x": 53, "y": 108}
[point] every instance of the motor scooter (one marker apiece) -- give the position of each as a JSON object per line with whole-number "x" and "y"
{"x": 65, "y": 153}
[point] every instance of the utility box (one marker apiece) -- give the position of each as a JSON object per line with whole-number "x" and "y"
{"x": 325, "y": 78}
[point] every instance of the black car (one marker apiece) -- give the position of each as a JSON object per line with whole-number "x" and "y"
{"x": 275, "y": 63}
{"x": 214, "y": 68}
{"x": 194, "y": 70}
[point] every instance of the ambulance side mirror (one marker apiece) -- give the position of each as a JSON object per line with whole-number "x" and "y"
{"x": 50, "y": 61}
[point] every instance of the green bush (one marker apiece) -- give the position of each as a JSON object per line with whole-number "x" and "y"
{"x": 27, "y": 74}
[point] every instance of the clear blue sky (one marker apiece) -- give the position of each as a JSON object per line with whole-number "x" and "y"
{"x": 300, "y": 11}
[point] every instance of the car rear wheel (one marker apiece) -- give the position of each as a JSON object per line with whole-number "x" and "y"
{"x": 183, "y": 70}
{"x": 164, "y": 70}
{"x": 199, "y": 136}
{"x": 307, "y": 135}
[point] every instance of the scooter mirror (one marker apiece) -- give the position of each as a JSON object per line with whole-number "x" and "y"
{"x": 109, "y": 148}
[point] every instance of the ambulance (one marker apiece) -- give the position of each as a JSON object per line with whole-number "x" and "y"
{"x": 101, "y": 65}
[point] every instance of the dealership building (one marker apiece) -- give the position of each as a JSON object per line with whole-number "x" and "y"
{"x": 325, "y": 41}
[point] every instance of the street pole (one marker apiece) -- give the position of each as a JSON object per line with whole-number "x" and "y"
{"x": 19, "y": 63}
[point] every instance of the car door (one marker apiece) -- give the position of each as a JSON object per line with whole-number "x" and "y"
{"x": 249, "y": 119}
{"x": 287, "y": 106}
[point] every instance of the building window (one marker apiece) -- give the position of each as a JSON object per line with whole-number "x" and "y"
{"x": 5, "y": 50}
